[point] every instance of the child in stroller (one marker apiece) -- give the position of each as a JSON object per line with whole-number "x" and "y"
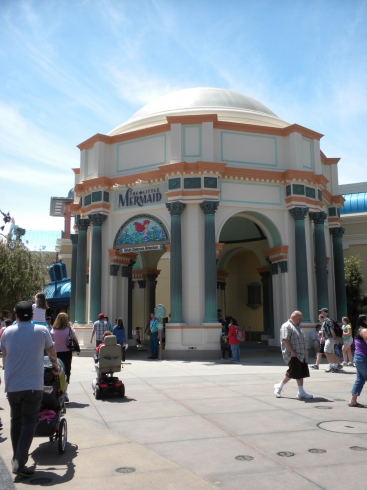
{"x": 51, "y": 424}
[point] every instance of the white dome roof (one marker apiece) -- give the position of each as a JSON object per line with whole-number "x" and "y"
{"x": 228, "y": 105}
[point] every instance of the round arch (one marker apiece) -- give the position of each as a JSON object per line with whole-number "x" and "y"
{"x": 141, "y": 229}
{"x": 271, "y": 231}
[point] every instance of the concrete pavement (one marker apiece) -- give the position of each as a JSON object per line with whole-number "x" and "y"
{"x": 201, "y": 425}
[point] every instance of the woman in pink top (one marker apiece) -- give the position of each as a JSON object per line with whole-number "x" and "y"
{"x": 60, "y": 332}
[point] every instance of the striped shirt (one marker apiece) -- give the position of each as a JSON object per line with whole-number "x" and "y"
{"x": 291, "y": 331}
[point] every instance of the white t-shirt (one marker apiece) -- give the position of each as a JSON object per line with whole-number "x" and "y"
{"x": 39, "y": 314}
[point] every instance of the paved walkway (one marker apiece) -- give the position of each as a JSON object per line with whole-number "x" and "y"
{"x": 204, "y": 425}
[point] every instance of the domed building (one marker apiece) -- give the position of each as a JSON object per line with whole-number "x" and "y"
{"x": 204, "y": 200}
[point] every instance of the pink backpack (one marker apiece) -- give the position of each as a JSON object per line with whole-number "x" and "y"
{"x": 241, "y": 335}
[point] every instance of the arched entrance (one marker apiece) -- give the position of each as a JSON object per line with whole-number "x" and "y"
{"x": 144, "y": 239}
{"x": 245, "y": 286}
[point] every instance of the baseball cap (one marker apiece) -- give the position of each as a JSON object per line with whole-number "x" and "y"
{"x": 324, "y": 309}
{"x": 23, "y": 310}
{"x": 101, "y": 315}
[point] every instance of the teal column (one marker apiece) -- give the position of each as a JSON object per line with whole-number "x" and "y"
{"x": 95, "y": 274}
{"x": 209, "y": 208}
{"x": 175, "y": 210}
{"x": 320, "y": 255}
{"x": 265, "y": 280}
{"x": 74, "y": 255}
{"x": 299, "y": 214}
{"x": 339, "y": 272}
{"x": 81, "y": 271}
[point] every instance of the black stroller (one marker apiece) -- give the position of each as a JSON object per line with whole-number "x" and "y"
{"x": 51, "y": 424}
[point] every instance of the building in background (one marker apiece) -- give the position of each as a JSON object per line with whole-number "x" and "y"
{"x": 205, "y": 199}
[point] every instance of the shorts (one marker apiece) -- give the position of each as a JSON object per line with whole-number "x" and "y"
{"x": 297, "y": 369}
{"x": 348, "y": 341}
{"x": 329, "y": 345}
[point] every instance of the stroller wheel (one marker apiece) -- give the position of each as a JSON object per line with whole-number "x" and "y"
{"x": 63, "y": 435}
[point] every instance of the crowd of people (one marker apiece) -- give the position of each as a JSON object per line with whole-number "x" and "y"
{"x": 26, "y": 340}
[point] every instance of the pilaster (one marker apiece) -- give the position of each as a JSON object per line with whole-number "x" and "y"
{"x": 209, "y": 208}
{"x": 299, "y": 214}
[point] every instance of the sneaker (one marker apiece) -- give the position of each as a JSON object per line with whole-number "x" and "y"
{"x": 277, "y": 390}
{"x": 344, "y": 363}
{"x": 328, "y": 370}
{"x": 315, "y": 366}
{"x": 340, "y": 366}
{"x": 351, "y": 364}
{"x": 66, "y": 397}
{"x": 303, "y": 396}
{"x": 25, "y": 472}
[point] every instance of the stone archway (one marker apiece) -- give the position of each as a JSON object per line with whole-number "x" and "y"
{"x": 244, "y": 277}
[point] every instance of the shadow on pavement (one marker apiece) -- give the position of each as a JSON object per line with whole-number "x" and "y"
{"x": 47, "y": 454}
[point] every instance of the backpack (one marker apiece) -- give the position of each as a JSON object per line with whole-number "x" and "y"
{"x": 240, "y": 335}
{"x": 337, "y": 329}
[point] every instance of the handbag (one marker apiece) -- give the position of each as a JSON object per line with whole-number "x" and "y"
{"x": 71, "y": 343}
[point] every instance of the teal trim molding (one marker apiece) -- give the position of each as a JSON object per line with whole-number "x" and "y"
{"x": 298, "y": 189}
{"x": 242, "y": 140}
{"x": 174, "y": 183}
{"x": 88, "y": 173}
{"x": 192, "y": 183}
{"x": 307, "y": 153}
{"x": 310, "y": 192}
{"x": 97, "y": 196}
{"x": 158, "y": 161}
{"x": 191, "y": 129}
{"x": 211, "y": 182}
{"x": 275, "y": 202}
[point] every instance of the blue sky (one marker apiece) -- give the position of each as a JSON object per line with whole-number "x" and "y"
{"x": 70, "y": 69}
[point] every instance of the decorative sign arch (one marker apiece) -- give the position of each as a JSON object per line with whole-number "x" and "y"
{"x": 142, "y": 232}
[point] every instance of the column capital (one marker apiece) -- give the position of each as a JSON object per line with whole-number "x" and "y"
{"x": 209, "y": 207}
{"x": 74, "y": 238}
{"x": 97, "y": 219}
{"x": 337, "y": 232}
{"x": 114, "y": 269}
{"x": 274, "y": 268}
{"x": 125, "y": 271}
{"x": 82, "y": 224}
{"x": 318, "y": 217}
{"x": 299, "y": 213}
{"x": 283, "y": 266}
{"x": 175, "y": 208}
{"x": 142, "y": 283}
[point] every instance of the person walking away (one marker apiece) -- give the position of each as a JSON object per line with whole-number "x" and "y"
{"x": 152, "y": 328}
{"x": 22, "y": 347}
{"x": 39, "y": 309}
{"x": 295, "y": 355}
{"x": 60, "y": 332}
{"x": 329, "y": 336}
{"x": 99, "y": 328}
{"x": 233, "y": 341}
{"x": 137, "y": 337}
{"x": 4, "y": 318}
{"x": 119, "y": 331}
{"x": 347, "y": 342}
{"x": 225, "y": 347}
{"x": 48, "y": 323}
{"x": 321, "y": 345}
{"x": 109, "y": 326}
{"x": 360, "y": 360}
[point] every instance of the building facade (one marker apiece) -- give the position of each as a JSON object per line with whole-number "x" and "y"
{"x": 206, "y": 199}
